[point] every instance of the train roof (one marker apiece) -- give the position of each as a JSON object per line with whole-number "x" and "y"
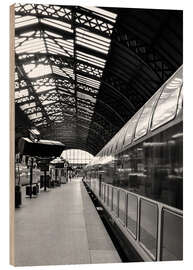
{"x": 163, "y": 107}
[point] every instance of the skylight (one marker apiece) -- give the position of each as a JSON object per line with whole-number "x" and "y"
{"x": 58, "y": 60}
{"x": 57, "y": 24}
{"x": 85, "y": 96}
{"x": 24, "y": 21}
{"x": 103, "y": 13}
{"x": 35, "y": 115}
{"x": 37, "y": 71}
{"x": 21, "y": 93}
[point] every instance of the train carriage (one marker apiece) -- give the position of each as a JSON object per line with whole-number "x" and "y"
{"x": 138, "y": 175}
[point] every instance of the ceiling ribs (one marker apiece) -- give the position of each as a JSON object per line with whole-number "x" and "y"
{"x": 101, "y": 96}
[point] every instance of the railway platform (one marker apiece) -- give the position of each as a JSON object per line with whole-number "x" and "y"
{"x": 61, "y": 226}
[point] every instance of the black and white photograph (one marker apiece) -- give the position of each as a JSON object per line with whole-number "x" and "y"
{"x": 96, "y": 110}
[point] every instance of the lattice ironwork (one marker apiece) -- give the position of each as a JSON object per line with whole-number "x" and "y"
{"x": 146, "y": 52}
{"x": 85, "y": 69}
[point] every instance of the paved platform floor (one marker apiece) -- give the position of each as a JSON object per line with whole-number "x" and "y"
{"x": 61, "y": 226}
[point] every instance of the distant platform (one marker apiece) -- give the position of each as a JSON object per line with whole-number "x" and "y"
{"x": 61, "y": 227}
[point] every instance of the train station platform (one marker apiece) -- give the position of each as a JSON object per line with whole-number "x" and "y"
{"x": 61, "y": 226}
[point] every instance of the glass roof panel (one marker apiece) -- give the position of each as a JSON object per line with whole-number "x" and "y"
{"x": 58, "y": 24}
{"x": 85, "y": 96}
{"x": 31, "y": 45}
{"x": 88, "y": 81}
{"x": 55, "y": 54}
{"x": 59, "y": 47}
{"x": 93, "y": 36}
{"x": 82, "y": 42}
{"x": 85, "y": 108}
{"x": 91, "y": 42}
{"x": 84, "y": 118}
{"x": 49, "y": 33}
{"x": 92, "y": 57}
{"x": 27, "y": 6}
{"x": 103, "y": 13}
{"x": 21, "y": 93}
{"x": 35, "y": 115}
{"x": 57, "y": 51}
{"x": 65, "y": 43}
{"x": 67, "y": 91}
{"x": 43, "y": 88}
{"x": 83, "y": 58}
{"x": 46, "y": 102}
{"x": 24, "y": 21}
{"x": 66, "y": 72}
{"x": 36, "y": 71}
{"x": 27, "y": 105}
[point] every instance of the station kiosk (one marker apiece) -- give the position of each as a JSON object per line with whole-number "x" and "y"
{"x": 64, "y": 173}
{"x": 59, "y": 171}
{"x": 43, "y": 151}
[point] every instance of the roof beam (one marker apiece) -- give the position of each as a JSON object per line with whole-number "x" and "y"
{"x": 43, "y": 27}
{"x": 90, "y": 21}
{"x": 64, "y": 60}
{"x": 91, "y": 52}
{"x": 84, "y": 18}
{"x": 41, "y": 13}
{"x": 22, "y": 74}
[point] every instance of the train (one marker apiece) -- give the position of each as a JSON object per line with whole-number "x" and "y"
{"x": 138, "y": 175}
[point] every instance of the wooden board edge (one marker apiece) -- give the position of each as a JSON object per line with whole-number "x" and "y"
{"x": 12, "y": 135}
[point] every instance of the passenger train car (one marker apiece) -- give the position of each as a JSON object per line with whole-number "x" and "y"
{"x": 138, "y": 175}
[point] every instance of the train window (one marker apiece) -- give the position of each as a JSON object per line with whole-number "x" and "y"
{"x": 114, "y": 142}
{"x": 122, "y": 205}
{"x": 106, "y": 194}
{"x": 115, "y": 201}
{"x": 121, "y": 138}
{"x": 180, "y": 102}
{"x": 110, "y": 197}
{"x": 130, "y": 128}
{"x": 142, "y": 125}
{"x": 172, "y": 236}
{"x": 102, "y": 191}
{"x": 148, "y": 226}
{"x": 108, "y": 148}
{"x": 167, "y": 104}
{"x": 132, "y": 214}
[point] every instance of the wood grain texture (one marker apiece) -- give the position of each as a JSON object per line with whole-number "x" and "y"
{"x": 12, "y": 133}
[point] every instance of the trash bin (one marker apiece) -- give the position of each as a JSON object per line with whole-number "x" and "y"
{"x": 18, "y": 197}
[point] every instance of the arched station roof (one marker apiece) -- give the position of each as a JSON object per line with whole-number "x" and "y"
{"x": 82, "y": 72}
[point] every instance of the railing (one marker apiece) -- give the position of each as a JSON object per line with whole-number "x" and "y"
{"x": 157, "y": 228}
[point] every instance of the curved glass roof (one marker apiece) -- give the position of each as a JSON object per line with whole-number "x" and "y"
{"x": 61, "y": 53}
{"x": 82, "y": 72}
{"x": 77, "y": 156}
